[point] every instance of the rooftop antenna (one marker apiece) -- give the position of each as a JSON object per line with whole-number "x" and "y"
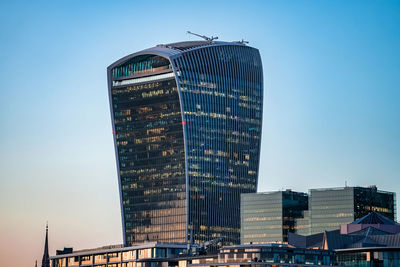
{"x": 210, "y": 39}
{"x": 243, "y": 41}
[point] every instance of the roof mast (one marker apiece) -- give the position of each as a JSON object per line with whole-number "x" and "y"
{"x": 210, "y": 39}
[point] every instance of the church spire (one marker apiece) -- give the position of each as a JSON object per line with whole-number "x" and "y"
{"x": 45, "y": 259}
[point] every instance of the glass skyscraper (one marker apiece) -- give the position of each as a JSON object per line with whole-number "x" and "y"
{"x": 187, "y": 129}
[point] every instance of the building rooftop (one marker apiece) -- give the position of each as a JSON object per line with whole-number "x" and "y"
{"x": 370, "y": 187}
{"x": 187, "y": 44}
{"x": 372, "y": 230}
{"x": 375, "y": 218}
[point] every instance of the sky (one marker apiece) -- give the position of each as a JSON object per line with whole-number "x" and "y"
{"x": 331, "y": 103}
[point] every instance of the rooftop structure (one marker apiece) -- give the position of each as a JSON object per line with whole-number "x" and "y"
{"x": 373, "y": 221}
{"x": 373, "y": 230}
{"x": 373, "y": 240}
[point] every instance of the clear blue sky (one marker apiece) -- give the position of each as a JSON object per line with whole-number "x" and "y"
{"x": 331, "y": 107}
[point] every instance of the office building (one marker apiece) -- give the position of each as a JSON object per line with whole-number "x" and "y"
{"x": 148, "y": 254}
{"x": 152, "y": 254}
{"x": 187, "y": 121}
{"x": 269, "y": 217}
{"x": 271, "y": 255}
{"x": 332, "y": 207}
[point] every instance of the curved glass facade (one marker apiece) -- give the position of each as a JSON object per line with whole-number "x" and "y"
{"x": 149, "y": 139}
{"x": 221, "y": 98}
{"x": 189, "y": 145}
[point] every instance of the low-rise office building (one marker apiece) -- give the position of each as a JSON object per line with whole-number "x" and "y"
{"x": 153, "y": 254}
{"x": 269, "y": 217}
{"x": 271, "y": 254}
{"x": 332, "y": 207}
{"x": 149, "y": 254}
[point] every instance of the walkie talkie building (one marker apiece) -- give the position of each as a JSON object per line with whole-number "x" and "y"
{"x": 187, "y": 129}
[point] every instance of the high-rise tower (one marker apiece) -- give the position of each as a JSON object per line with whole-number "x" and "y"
{"x": 187, "y": 129}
